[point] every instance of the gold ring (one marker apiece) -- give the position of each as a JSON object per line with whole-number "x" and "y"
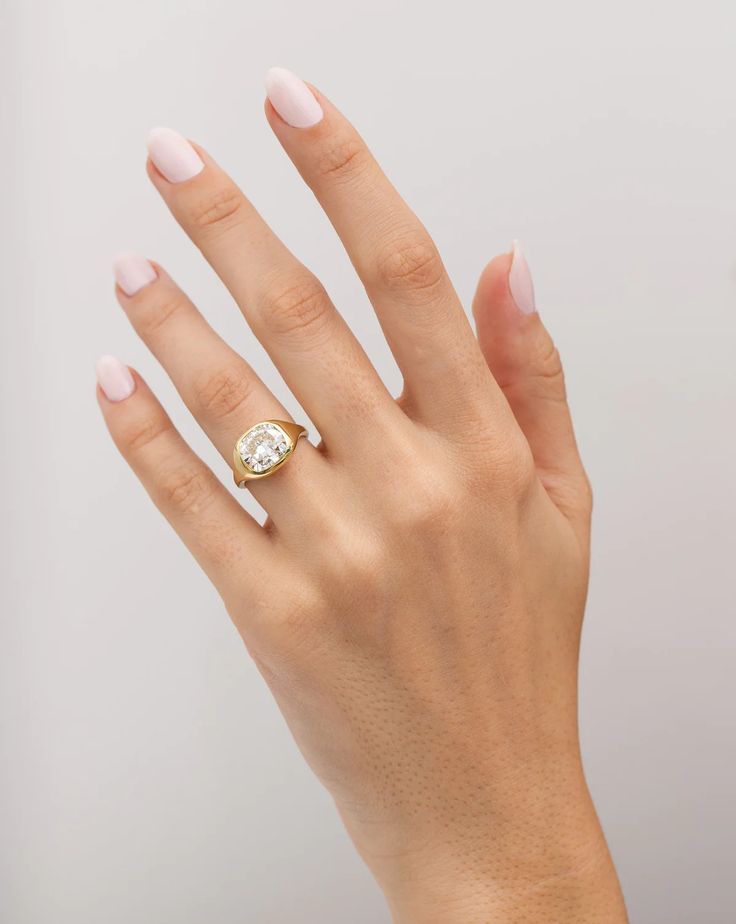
{"x": 264, "y": 448}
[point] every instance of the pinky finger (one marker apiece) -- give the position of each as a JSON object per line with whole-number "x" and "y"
{"x": 224, "y": 539}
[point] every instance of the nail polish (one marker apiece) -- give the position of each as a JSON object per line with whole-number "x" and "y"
{"x": 114, "y": 378}
{"x": 520, "y": 281}
{"x": 292, "y": 99}
{"x": 132, "y": 272}
{"x": 173, "y": 155}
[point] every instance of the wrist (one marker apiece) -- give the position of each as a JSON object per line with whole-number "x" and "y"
{"x": 588, "y": 894}
{"x": 547, "y": 863}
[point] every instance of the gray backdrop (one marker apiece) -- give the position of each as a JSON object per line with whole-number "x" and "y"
{"x": 146, "y": 774}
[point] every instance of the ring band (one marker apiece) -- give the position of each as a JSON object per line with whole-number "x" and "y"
{"x": 263, "y": 448}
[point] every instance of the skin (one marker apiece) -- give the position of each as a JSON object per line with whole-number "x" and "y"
{"x": 431, "y": 555}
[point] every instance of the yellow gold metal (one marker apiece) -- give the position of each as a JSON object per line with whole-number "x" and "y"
{"x": 242, "y": 474}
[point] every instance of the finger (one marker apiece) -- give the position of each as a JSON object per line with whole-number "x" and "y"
{"x": 392, "y": 252}
{"x": 220, "y": 389}
{"x": 284, "y": 303}
{"x": 525, "y": 363}
{"x": 227, "y": 542}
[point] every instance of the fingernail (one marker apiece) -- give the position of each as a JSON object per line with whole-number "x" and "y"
{"x": 114, "y": 378}
{"x": 292, "y": 98}
{"x": 173, "y": 156}
{"x": 520, "y": 281}
{"x": 132, "y": 272}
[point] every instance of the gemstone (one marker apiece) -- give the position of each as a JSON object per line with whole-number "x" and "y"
{"x": 263, "y": 446}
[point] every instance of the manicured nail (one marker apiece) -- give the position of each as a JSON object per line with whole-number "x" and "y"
{"x": 173, "y": 156}
{"x": 292, "y": 98}
{"x": 132, "y": 272}
{"x": 520, "y": 282}
{"x": 114, "y": 378}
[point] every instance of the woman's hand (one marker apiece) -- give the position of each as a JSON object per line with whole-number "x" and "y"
{"x": 415, "y": 597}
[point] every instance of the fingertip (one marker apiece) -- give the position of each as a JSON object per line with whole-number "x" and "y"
{"x": 173, "y": 155}
{"x": 292, "y": 99}
{"x": 521, "y": 284}
{"x": 133, "y": 272}
{"x": 114, "y": 379}
{"x": 493, "y": 284}
{"x": 274, "y": 75}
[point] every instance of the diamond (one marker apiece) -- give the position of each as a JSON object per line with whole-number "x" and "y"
{"x": 263, "y": 447}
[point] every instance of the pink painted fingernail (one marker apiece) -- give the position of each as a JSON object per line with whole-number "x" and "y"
{"x": 292, "y": 98}
{"x": 114, "y": 378}
{"x": 520, "y": 282}
{"x": 173, "y": 156}
{"x": 132, "y": 272}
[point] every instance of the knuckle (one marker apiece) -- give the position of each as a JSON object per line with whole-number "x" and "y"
{"x": 142, "y": 433}
{"x": 157, "y": 311}
{"x": 586, "y": 493}
{"x": 303, "y": 308}
{"x": 295, "y": 626}
{"x": 219, "y": 210}
{"x": 350, "y": 556}
{"x": 360, "y": 560}
{"x": 514, "y": 473}
{"x": 432, "y": 505}
{"x": 411, "y": 263}
{"x": 546, "y": 372}
{"x": 503, "y": 468}
{"x": 186, "y": 490}
{"x": 342, "y": 157}
{"x": 223, "y": 393}
{"x": 304, "y": 612}
{"x": 436, "y": 504}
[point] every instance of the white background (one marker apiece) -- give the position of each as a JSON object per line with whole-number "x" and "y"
{"x": 146, "y": 774}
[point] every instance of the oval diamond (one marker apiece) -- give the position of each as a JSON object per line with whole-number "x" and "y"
{"x": 263, "y": 446}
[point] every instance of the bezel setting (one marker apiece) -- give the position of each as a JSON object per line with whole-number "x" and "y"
{"x": 264, "y": 448}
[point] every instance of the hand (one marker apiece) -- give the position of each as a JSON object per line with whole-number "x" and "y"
{"x": 415, "y": 597}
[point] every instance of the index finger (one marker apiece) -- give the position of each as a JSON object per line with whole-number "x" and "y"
{"x": 396, "y": 259}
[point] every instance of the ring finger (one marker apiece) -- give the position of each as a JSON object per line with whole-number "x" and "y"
{"x": 220, "y": 389}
